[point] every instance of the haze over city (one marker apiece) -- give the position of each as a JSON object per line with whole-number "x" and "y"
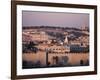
{"x": 32, "y": 18}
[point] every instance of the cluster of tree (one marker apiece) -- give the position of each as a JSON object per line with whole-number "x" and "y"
{"x": 59, "y": 36}
{"x": 30, "y": 47}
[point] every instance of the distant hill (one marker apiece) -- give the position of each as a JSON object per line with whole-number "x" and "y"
{"x": 50, "y": 27}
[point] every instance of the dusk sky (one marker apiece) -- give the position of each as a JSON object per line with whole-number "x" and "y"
{"x": 31, "y": 18}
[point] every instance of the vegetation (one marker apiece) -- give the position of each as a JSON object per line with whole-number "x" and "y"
{"x": 30, "y": 48}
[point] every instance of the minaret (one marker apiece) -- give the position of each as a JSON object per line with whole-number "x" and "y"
{"x": 66, "y": 40}
{"x": 83, "y": 27}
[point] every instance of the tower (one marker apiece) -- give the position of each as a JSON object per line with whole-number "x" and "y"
{"x": 66, "y": 40}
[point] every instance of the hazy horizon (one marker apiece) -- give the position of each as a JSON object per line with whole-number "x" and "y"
{"x": 58, "y": 19}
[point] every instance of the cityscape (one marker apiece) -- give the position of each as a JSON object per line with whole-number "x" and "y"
{"x": 54, "y": 46}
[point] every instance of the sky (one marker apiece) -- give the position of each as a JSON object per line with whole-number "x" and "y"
{"x": 32, "y": 18}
